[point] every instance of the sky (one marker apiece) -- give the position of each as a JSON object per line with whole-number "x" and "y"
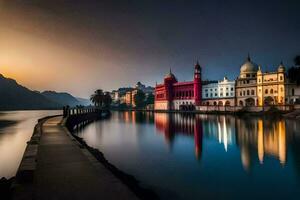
{"x": 78, "y": 46}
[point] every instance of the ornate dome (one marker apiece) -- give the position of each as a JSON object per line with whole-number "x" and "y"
{"x": 249, "y": 66}
{"x": 281, "y": 67}
{"x": 170, "y": 75}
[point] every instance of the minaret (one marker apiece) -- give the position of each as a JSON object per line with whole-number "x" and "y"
{"x": 197, "y": 85}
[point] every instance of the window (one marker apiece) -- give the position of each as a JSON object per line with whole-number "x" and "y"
{"x": 244, "y": 93}
{"x": 281, "y": 78}
{"x": 211, "y": 94}
{"x": 293, "y": 92}
{"x": 231, "y": 89}
{"x": 266, "y": 91}
{"x": 248, "y": 92}
{"x": 241, "y": 93}
{"x": 226, "y": 94}
{"x": 221, "y": 94}
{"x": 271, "y": 91}
{"x": 206, "y": 95}
{"x": 216, "y": 94}
{"x": 252, "y": 92}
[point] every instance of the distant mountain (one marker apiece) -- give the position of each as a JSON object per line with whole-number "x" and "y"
{"x": 62, "y": 98}
{"x": 16, "y": 97}
{"x": 84, "y": 102}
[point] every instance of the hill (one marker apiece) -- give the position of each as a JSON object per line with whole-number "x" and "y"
{"x": 62, "y": 98}
{"x": 17, "y": 97}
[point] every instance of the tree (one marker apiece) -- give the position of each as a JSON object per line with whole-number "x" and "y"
{"x": 150, "y": 99}
{"x": 107, "y": 100}
{"x": 139, "y": 99}
{"x": 97, "y": 98}
{"x": 294, "y": 72}
{"x": 297, "y": 60}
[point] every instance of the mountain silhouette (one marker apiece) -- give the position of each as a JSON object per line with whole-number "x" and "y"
{"x": 16, "y": 97}
{"x": 62, "y": 98}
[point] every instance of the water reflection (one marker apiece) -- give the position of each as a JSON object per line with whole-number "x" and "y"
{"x": 263, "y": 137}
{"x": 203, "y": 156}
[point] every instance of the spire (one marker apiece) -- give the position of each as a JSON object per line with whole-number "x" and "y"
{"x": 197, "y": 66}
{"x": 248, "y": 57}
{"x": 170, "y": 70}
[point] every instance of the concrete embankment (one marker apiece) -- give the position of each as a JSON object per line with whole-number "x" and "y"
{"x": 58, "y": 165}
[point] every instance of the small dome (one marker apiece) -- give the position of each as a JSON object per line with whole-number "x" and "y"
{"x": 170, "y": 75}
{"x": 281, "y": 67}
{"x": 249, "y": 66}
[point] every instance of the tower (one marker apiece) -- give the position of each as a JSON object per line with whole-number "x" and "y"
{"x": 169, "y": 80}
{"x": 197, "y": 85}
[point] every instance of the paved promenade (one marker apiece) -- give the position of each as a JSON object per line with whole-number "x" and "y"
{"x": 66, "y": 171}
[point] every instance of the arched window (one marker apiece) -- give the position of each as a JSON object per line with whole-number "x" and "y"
{"x": 252, "y": 92}
{"x": 271, "y": 91}
{"x": 241, "y": 103}
{"x": 248, "y": 92}
{"x": 266, "y": 91}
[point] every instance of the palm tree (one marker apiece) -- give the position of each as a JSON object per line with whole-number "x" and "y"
{"x": 107, "y": 99}
{"x": 97, "y": 98}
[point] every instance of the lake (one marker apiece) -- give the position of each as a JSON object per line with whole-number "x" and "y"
{"x": 16, "y": 128}
{"x": 203, "y": 156}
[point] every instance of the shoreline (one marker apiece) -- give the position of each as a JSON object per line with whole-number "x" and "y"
{"x": 236, "y": 113}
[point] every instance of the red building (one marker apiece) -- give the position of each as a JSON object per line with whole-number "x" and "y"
{"x": 174, "y": 95}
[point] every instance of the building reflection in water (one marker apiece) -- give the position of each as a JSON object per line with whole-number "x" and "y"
{"x": 172, "y": 124}
{"x": 261, "y": 137}
{"x": 256, "y": 138}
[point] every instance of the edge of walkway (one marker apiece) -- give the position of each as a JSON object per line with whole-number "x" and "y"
{"x": 23, "y": 185}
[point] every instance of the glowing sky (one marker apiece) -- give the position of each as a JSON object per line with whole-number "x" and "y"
{"x": 81, "y": 45}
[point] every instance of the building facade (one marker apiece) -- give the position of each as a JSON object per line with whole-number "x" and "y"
{"x": 246, "y": 84}
{"x": 221, "y": 93}
{"x": 174, "y": 95}
{"x": 257, "y": 88}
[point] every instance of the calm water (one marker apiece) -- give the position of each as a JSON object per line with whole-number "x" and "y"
{"x": 16, "y": 128}
{"x": 203, "y": 156}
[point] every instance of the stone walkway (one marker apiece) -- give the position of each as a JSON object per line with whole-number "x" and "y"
{"x": 66, "y": 171}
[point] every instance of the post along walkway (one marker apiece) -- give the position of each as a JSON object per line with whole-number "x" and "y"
{"x": 66, "y": 171}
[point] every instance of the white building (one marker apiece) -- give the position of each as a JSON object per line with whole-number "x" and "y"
{"x": 221, "y": 93}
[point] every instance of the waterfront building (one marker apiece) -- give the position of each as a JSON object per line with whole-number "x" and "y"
{"x": 257, "y": 88}
{"x": 272, "y": 87}
{"x": 221, "y": 93}
{"x": 246, "y": 84}
{"x": 174, "y": 95}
